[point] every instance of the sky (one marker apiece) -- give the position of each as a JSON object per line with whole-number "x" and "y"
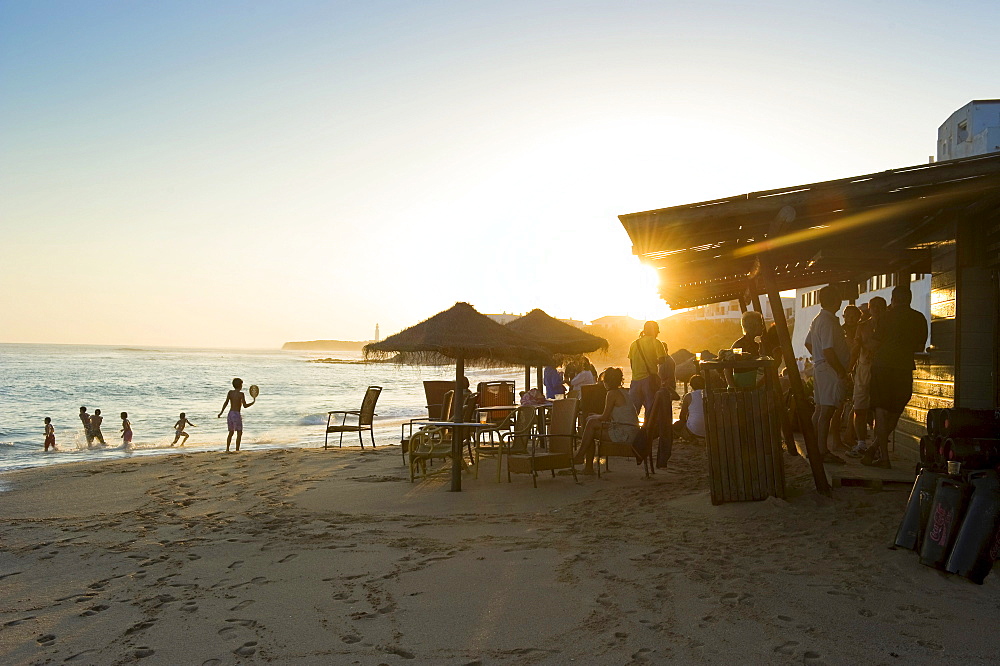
{"x": 241, "y": 174}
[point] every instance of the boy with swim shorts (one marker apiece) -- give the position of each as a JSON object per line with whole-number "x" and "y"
{"x": 50, "y": 434}
{"x": 179, "y": 429}
{"x": 235, "y": 400}
{"x": 95, "y": 427}
{"x": 85, "y": 418}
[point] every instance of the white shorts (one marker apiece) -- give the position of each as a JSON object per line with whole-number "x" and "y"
{"x": 862, "y": 386}
{"x": 828, "y": 389}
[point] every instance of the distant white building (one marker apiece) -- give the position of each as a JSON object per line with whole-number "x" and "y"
{"x": 731, "y": 310}
{"x": 506, "y": 318}
{"x": 617, "y": 322}
{"x": 807, "y": 302}
{"x": 972, "y": 130}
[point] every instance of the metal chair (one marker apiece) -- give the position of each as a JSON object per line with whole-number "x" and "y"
{"x": 366, "y": 416}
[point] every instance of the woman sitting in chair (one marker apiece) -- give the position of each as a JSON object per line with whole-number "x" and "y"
{"x": 619, "y": 413}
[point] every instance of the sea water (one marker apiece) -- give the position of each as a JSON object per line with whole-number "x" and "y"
{"x": 155, "y": 384}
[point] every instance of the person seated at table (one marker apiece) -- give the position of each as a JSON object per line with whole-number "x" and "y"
{"x": 619, "y": 411}
{"x": 691, "y": 422}
{"x": 582, "y": 377}
{"x": 533, "y": 397}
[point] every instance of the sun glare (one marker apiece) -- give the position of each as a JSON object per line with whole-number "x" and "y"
{"x": 643, "y": 301}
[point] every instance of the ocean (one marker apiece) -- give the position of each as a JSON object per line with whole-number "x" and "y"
{"x": 155, "y": 384}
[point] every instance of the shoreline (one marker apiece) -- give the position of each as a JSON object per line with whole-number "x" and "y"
{"x": 333, "y": 556}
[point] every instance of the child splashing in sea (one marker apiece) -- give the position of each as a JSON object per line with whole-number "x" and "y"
{"x": 179, "y": 429}
{"x": 126, "y": 431}
{"x": 50, "y": 434}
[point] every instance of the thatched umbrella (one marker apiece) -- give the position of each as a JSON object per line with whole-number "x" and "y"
{"x": 463, "y": 334}
{"x": 555, "y": 336}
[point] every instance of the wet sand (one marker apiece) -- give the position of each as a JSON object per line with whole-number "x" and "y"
{"x": 320, "y": 557}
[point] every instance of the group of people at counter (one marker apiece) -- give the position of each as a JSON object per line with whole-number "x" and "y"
{"x": 862, "y": 372}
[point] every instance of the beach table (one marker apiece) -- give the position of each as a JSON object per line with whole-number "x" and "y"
{"x": 743, "y": 434}
{"x": 460, "y": 430}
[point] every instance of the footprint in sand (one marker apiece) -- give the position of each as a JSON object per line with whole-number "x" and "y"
{"x": 246, "y": 649}
{"x": 189, "y": 606}
{"x": 94, "y": 610}
{"x": 13, "y": 623}
{"x": 405, "y": 654}
{"x": 350, "y": 638}
{"x": 287, "y": 558}
{"x": 228, "y": 632}
{"x": 138, "y": 627}
{"x": 242, "y": 605}
{"x": 79, "y": 655}
{"x": 788, "y": 647}
{"x": 235, "y": 565}
{"x": 46, "y": 640}
{"x": 141, "y": 652}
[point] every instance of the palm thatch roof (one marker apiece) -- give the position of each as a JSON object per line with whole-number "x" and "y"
{"x": 556, "y": 336}
{"x": 459, "y": 332}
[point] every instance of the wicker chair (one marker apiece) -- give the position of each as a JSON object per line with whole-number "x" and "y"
{"x": 561, "y": 443}
{"x": 365, "y": 417}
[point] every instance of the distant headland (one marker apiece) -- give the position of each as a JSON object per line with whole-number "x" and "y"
{"x": 326, "y": 345}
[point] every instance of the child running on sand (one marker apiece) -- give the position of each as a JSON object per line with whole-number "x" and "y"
{"x": 179, "y": 429}
{"x": 50, "y": 434}
{"x": 95, "y": 427}
{"x": 235, "y": 400}
{"x": 126, "y": 431}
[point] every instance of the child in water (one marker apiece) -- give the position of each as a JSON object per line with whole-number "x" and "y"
{"x": 126, "y": 431}
{"x": 95, "y": 427}
{"x": 179, "y": 429}
{"x": 50, "y": 434}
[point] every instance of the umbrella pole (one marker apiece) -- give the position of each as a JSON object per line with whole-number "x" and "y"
{"x": 527, "y": 377}
{"x": 538, "y": 376}
{"x": 456, "y": 436}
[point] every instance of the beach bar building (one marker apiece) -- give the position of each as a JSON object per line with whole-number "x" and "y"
{"x": 941, "y": 219}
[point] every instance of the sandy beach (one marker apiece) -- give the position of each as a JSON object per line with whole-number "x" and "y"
{"x": 321, "y": 557}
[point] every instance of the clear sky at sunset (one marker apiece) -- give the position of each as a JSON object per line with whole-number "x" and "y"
{"x": 245, "y": 173}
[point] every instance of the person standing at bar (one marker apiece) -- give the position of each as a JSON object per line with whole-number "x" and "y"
{"x": 900, "y": 333}
{"x": 828, "y": 345}
{"x": 864, "y": 346}
{"x": 645, "y": 355}
{"x": 552, "y": 379}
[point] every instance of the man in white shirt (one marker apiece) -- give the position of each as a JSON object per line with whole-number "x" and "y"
{"x": 830, "y": 355}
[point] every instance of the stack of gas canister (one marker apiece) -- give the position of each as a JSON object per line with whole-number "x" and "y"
{"x": 953, "y": 516}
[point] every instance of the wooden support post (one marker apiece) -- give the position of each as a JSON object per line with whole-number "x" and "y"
{"x": 457, "y": 433}
{"x": 787, "y": 434}
{"x": 798, "y": 389}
